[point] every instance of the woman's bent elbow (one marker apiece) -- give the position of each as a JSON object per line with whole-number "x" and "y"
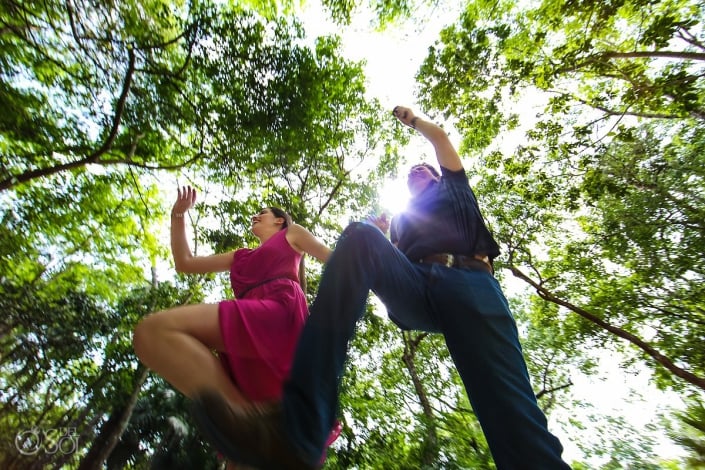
{"x": 182, "y": 267}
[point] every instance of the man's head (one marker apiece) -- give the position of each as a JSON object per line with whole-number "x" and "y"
{"x": 420, "y": 177}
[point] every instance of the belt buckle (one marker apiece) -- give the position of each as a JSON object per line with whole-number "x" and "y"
{"x": 450, "y": 260}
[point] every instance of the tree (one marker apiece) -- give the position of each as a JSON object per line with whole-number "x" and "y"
{"x": 630, "y": 58}
{"x": 92, "y": 84}
{"x": 692, "y": 433}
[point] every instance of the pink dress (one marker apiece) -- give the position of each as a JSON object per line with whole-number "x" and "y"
{"x": 261, "y": 327}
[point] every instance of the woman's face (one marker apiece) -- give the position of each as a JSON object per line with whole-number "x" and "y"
{"x": 419, "y": 178}
{"x": 266, "y": 220}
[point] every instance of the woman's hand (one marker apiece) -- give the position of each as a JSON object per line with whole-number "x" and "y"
{"x": 381, "y": 222}
{"x": 185, "y": 200}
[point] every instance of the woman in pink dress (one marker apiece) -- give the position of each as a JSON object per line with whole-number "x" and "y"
{"x": 255, "y": 334}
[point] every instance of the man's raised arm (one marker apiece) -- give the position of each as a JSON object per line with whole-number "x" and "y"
{"x": 446, "y": 154}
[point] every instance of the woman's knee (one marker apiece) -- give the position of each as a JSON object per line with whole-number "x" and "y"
{"x": 140, "y": 339}
{"x": 144, "y": 334}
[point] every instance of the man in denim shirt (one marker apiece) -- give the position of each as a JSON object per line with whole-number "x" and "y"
{"x": 435, "y": 276}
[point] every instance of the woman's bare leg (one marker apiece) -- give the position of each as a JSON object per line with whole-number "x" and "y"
{"x": 178, "y": 345}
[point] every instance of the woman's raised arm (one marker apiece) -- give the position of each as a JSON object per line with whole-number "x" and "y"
{"x": 184, "y": 261}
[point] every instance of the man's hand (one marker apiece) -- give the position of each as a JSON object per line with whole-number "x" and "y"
{"x": 446, "y": 154}
{"x": 405, "y": 115}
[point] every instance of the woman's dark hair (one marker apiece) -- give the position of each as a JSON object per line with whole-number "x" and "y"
{"x": 431, "y": 168}
{"x": 281, "y": 214}
{"x": 302, "y": 264}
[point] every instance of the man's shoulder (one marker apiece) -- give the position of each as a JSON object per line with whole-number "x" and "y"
{"x": 454, "y": 176}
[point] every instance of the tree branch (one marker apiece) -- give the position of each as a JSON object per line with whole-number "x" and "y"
{"x": 93, "y": 157}
{"x": 681, "y": 55}
{"x": 633, "y": 339}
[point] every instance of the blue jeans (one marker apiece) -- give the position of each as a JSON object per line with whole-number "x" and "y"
{"x": 466, "y": 306}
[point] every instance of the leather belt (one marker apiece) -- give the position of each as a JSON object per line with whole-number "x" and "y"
{"x": 242, "y": 293}
{"x": 450, "y": 260}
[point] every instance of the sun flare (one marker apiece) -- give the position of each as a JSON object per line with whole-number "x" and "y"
{"x": 394, "y": 196}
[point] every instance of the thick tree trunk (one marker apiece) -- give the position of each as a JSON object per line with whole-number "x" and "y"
{"x": 430, "y": 451}
{"x": 113, "y": 428}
